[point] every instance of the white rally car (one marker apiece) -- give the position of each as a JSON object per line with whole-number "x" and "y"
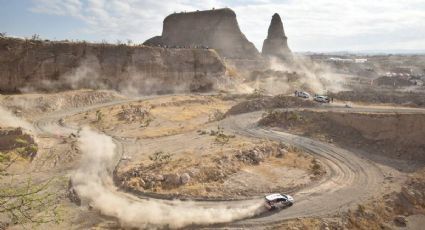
{"x": 277, "y": 200}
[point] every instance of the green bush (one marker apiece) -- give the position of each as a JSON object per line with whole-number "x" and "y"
{"x": 161, "y": 157}
{"x": 4, "y": 157}
{"x": 21, "y": 141}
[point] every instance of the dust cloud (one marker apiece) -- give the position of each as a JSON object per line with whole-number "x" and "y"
{"x": 86, "y": 75}
{"x": 317, "y": 77}
{"x": 8, "y": 119}
{"x": 93, "y": 182}
{"x": 300, "y": 73}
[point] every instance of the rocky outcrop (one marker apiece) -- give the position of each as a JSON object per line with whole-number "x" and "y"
{"x": 276, "y": 43}
{"x": 217, "y": 29}
{"x": 15, "y": 139}
{"x": 53, "y": 66}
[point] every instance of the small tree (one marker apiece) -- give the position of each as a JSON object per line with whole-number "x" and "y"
{"x": 35, "y": 37}
{"x": 220, "y": 137}
{"x": 160, "y": 157}
{"x": 28, "y": 202}
{"x": 99, "y": 115}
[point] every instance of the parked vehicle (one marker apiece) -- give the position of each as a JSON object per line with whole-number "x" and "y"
{"x": 277, "y": 200}
{"x": 302, "y": 94}
{"x": 322, "y": 99}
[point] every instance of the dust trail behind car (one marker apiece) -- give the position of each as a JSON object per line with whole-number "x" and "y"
{"x": 93, "y": 181}
{"x": 8, "y": 119}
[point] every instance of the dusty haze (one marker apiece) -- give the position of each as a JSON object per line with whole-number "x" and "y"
{"x": 93, "y": 182}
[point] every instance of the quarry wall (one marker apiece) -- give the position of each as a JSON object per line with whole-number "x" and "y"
{"x": 35, "y": 65}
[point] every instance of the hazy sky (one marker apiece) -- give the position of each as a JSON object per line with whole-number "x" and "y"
{"x": 311, "y": 25}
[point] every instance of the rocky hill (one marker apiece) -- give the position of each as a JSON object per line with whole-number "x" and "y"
{"x": 217, "y": 29}
{"x": 276, "y": 43}
{"x": 53, "y": 66}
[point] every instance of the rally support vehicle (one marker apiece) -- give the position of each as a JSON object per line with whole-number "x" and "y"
{"x": 302, "y": 94}
{"x": 322, "y": 99}
{"x": 277, "y": 200}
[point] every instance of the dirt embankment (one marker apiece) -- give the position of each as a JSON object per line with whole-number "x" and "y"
{"x": 229, "y": 174}
{"x": 398, "y": 136}
{"x": 27, "y": 65}
{"x": 28, "y": 105}
{"x": 259, "y": 102}
{"x": 159, "y": 117}
{"x": 412, "y": 99}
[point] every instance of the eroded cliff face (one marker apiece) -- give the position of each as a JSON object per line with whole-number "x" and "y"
{"x": 276, "y": 43}
{"x": 217, "y": 29}
{"x": 53, "y": 66}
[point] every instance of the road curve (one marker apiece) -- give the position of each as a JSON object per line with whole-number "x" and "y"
{"x": 350, "y": 179}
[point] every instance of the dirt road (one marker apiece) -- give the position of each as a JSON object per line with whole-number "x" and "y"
{"x": 351, "y": 179}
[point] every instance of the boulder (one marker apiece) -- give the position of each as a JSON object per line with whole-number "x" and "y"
{"x": 184, "y": 178}
{"x": 172, "y": 180}
{"x": 159, "y": 177}
{"x": 400, "y": 221}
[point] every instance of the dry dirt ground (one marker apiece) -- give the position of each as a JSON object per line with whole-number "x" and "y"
{"x": 196, "y": 158}
{"x": 174, "y": 147}
{"x": 392, "y": 139}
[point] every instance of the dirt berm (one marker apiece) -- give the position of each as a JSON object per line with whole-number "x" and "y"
{"x": 256, "y": 103}
{"x": 412, "y": 99}
{"x": 399, "y": 136}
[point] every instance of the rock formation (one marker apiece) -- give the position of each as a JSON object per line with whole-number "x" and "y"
{"x": 53, "y": 66}
{"x": 217, "y": 29}
{"x": 276, "y": 42}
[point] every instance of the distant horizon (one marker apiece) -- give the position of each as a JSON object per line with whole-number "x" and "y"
{"x": 329, "y": 52}
{"x": 319, "y": 26}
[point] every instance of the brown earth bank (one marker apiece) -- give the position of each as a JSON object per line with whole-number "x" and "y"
{"x": 257, "y": 101}
{"x": 158, "y": 117}
{"x": 405, "y": 98}
{"x": 398, "y": 136}
{"x": 244, "y": 169}
{"x": 36, "y": 65}
{"x": 28, "y": 105}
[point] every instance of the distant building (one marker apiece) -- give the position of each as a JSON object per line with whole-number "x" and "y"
{"x": 360, "y": 60}
{"x": 400, "y": 72}
{"x": 344, "y": 60}
{"x": 348, "y": 60}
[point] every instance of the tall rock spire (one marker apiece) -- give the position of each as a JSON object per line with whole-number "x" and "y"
{"x": 276, "y": 43}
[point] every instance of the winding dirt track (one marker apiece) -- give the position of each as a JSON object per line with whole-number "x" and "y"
{"x": 350, "y": 180}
